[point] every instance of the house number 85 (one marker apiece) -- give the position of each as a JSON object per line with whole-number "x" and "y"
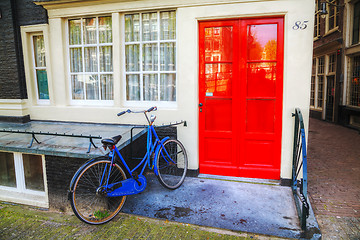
{"x": 300, "y": 25}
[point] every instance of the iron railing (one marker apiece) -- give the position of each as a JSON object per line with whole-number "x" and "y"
{"x": 299, "y": 181}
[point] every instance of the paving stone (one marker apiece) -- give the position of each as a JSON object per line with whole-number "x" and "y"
{"x": 334, "y": 179}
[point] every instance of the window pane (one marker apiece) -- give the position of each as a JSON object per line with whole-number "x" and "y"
{"x": 149, "y": 26}
{"x": 90, "y": 59}
{"x": 106, "y": 82}
{"x": 168, "y": 87}
{"x": 167, "y": 56}
{"x": 356, "y": 23}
{"x": 92, "y": 87}
{"x": 39, "y": 50}
{"x": 261, "y": 78}
{"x": 355, "y": 82}
{"x": 320, "y": 91}
{"x": 89, "y": 30}
{"x": 77, "y": 87}
{"x": 132, "y": 87}
{"x": 105, "y": 59}
{"x": 42, "y": 83}
{"x": 132, "y": 28}
{"x": 105, "y": 33}
{"x": 7, "y": 170}
{"x": 218, "y": 79}
{"x": 150, "y": 57}
{"x": 132, "y": 58}
{"x": 33, "y": 172}
{"x": 150, "y": 82}
{"x": 168, "y": 25}
{"x": 75, "y": 32}
{"x": 262, "y": 42}
{"x": 218, "y": 44}
{"x": 75, "y": 60}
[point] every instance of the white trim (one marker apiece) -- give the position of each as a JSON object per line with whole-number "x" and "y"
{"x": 20, "y": 194}
{"x": 141, "y": 72}
{"x": 34, "y": 68}
{"x": 82, "y": 46}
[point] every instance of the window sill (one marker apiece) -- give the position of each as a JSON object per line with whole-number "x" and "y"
{"x": 92, "y": 103}
{"x": 331, "y": 31}
{"x": 148, "y": 104}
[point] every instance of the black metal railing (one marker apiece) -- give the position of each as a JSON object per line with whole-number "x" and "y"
{"x": 299, "y": 178}
{"x": 33, "y": 135}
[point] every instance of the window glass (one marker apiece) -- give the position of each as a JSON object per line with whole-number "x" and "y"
{"x": 355, "y": 82}
{"x": 91, "y": 66}
{"x": 356, "y": 23}
{"x": 40, "y": 67}
{"x": 262, "y": 42}
{"x": 333, "y": 17}
{"x": 33, "y": 172}
{"x": 7, "y": 170}
{"x": 150, "y": 56}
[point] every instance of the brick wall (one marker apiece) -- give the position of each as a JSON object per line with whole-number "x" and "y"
{"x": 15, "y": 13}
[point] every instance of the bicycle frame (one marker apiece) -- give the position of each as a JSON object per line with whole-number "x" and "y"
{"x": 128, "y": 186}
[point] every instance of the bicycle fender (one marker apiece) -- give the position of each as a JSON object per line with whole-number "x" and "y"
{"x": 157, "y": 151}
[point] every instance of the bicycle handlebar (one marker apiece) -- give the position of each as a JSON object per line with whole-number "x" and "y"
{"x": 130, "y": 111}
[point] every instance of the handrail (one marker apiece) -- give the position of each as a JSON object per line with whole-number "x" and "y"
{"x": 33, "y": 133}
{"x": 299, "y": 182}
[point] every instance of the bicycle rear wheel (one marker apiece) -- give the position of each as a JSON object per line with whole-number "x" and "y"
{"x": 88, "y": 198}
{"x": 171, "y": 164}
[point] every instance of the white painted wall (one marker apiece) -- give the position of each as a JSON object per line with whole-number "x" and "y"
{"x": 297, "y": 63}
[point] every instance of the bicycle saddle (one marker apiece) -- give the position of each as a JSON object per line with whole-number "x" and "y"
{"x": 111, "y": 141}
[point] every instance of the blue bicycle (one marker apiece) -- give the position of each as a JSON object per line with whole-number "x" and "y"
{"x": 99, "y": 188}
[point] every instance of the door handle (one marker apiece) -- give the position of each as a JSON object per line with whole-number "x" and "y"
{"x": 200, "y": 104}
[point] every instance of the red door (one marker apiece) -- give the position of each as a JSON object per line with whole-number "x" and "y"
{"x": 240, "y": 97}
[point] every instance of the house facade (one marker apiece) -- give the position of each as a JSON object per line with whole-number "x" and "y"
{"x": 334, "y": 86}
{"x": 235, "y": 70}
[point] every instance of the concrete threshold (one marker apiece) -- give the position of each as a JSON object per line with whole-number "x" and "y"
{"x": 233, "y": 205}
{"x": 241, "y": 179}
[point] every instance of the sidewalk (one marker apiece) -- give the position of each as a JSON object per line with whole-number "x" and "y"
{"x": 334, "y": 179}
{"x": 22, "y": 222}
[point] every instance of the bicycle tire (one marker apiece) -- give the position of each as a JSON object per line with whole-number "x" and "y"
{"x": 171, "y": 173}
{"x": 88, "y": 202}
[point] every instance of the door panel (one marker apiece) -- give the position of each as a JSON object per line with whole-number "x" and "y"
{"x": 240, "y": 97}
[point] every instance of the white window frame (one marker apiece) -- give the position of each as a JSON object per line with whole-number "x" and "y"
{"x": 89, "y": 102}
{"x": 142, "y": 103}
{"x": 20, "y": 194}
{"x": 39, "y": 101}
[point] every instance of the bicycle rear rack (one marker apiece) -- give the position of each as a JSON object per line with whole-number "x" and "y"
{"x": 298, "y": 184}
{"x": 33, "y": 133}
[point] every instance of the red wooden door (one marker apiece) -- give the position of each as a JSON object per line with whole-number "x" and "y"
{"x": 240, "y": 97}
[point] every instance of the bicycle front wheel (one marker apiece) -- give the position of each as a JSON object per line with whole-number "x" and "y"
{"x": 88, "y": 198}
{"x": 171, "y": 164}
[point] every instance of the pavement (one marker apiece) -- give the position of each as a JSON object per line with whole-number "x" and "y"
{"x": 333, "y": 170}
{"x": 334, "y": 179}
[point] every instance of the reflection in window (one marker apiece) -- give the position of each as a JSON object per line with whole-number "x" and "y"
{"x": 218, "y": 79}
{"x": 218, "y": 44}
{"x": 261, "y": 79}
{"x": 262, "y": 42}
